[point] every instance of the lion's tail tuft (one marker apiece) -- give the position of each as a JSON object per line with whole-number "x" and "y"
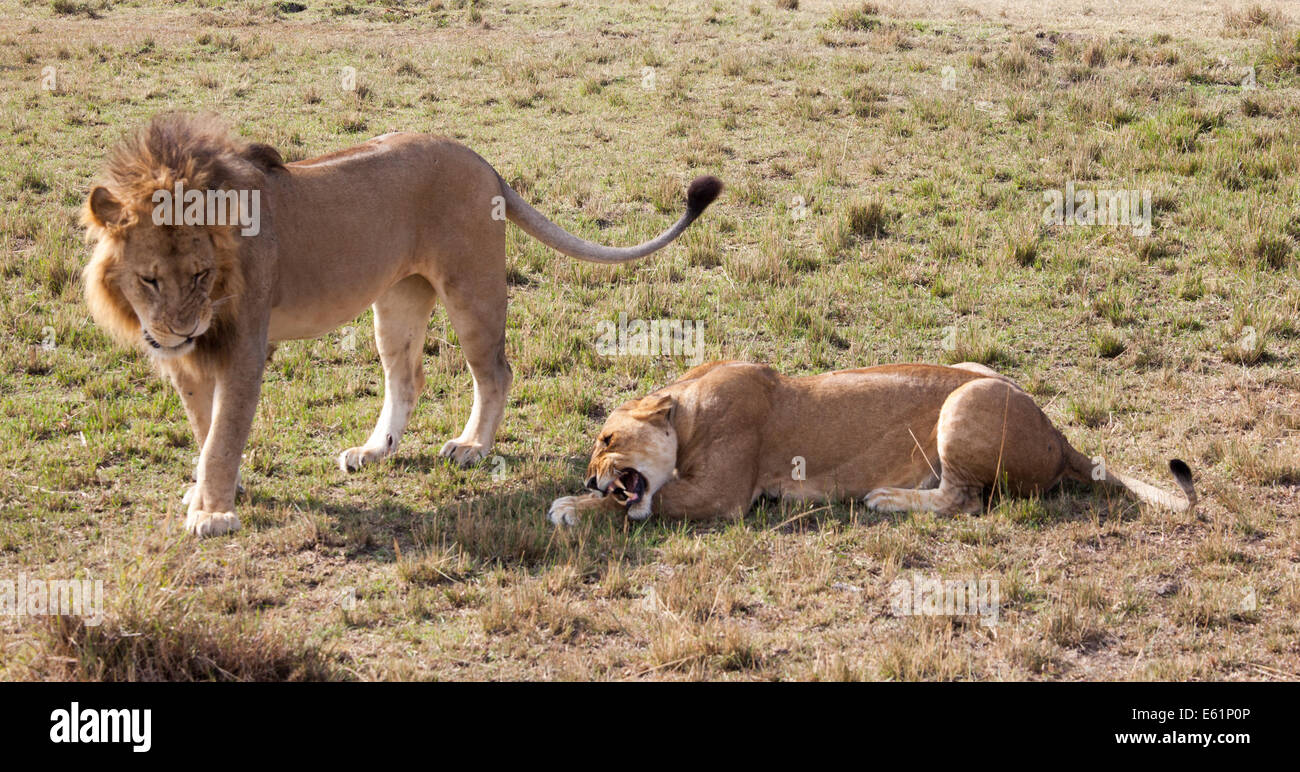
{"x": 701, "y": 193}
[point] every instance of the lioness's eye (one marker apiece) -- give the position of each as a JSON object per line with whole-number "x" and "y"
{"x": 150, "y": 282}
{"x": 607, "y": 438}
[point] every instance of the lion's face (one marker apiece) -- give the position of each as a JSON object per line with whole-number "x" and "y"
{"x": 166, "y": 274}
{"x": 168, "y": 289}
{"x": 160, "y": 287}
{"x": 636, "y": 450}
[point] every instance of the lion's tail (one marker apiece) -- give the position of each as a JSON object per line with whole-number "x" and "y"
{"x": 1082, "y": 468}
{"x": 698, "y": 196}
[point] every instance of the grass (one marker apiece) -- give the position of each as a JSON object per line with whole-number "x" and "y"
{"x": 917, "y": 150}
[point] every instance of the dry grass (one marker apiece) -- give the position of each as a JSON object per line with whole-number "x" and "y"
{"x": 886, "y": 164}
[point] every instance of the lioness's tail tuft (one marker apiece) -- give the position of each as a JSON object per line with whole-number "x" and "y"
{"x": 1183, "y": 476}
{"x": 701, "y": 193}
{"x": 1084, "y": 469}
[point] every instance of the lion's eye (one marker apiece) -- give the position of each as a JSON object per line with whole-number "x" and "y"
{"x": 607, "y": 438}
{"x": 200, "y": 277}
{"x": 150, "y": 282}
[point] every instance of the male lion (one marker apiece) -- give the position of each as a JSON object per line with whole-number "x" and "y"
{"x": 399, "y": 223}
{"x": 908, "y": 437}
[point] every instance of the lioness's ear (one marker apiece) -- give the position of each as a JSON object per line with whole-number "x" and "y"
{"x": 104, "y": 210}
{"x": 662, "y": 406}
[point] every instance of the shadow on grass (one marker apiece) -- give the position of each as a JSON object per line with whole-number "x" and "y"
{"x": 508, "y": 528}
{"x": 1068, "y": 502}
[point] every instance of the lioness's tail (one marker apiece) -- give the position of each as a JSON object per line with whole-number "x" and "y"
{"x": 1084, "y": 469}
{"x": 700, "y": 194}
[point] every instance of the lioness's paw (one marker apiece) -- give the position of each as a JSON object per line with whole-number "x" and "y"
{"x": 889, "y": 500}
{"x": 464, "y": 453}
{"x": 200, "y": 523}
{"x": 353, "y": 459}
{"x": 564, "y": 511}
{"x": 639, "y": 510}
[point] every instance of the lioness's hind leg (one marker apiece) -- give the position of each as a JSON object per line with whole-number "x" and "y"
{"x": 401, "y": 319}
{"x": 476, "y": 306}
{"x": 976, "y": 367}
{"x": 989, "y": 432}
{"x": 949, "y": 499}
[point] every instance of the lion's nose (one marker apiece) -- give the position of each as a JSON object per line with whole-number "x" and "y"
{"x": 591, "y": 483}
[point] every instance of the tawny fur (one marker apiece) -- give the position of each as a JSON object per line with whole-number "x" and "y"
{"x": 399, "y": 223}
{"x": 199, "y": 152}
{"x": 905, "y": 437}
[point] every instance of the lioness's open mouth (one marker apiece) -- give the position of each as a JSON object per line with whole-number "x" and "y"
{"x": 628, "y": 486}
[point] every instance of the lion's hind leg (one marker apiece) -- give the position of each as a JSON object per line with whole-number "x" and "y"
{"x": 476, "y": 306}
{"x": 401, "y": 319}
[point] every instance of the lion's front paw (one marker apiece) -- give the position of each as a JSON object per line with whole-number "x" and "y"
{"x": 200, "y": 523}
{"x": 464, "y": 453}
{"x": 353, "y": 459}
{"x": 563, "y": 511}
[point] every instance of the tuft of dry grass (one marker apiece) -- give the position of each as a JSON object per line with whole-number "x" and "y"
{"x": 859, "y": 18}
{"x": 157, "y": 646}
{"x": 1251, "y": 17}
{"x": 866, "y": 219}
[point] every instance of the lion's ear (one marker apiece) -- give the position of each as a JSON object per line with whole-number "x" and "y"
{"x": 263, "y": 156}
{"x": 104, "y": 209}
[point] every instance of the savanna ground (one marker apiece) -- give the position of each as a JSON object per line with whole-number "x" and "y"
{"x": 920, "y": 136}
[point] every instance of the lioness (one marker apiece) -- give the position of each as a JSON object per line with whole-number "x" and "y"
{"x": 907, "y": 437}
{"x": 398, "y": 223}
